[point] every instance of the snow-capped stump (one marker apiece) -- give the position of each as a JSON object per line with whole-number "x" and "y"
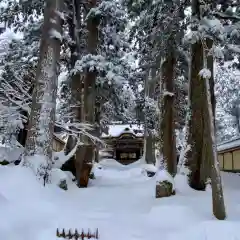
{"x": 63, "y": 184}
{"x": 164, "y": 184}
{"x": 164, "y": 189}
{"x": 60, "y": 178}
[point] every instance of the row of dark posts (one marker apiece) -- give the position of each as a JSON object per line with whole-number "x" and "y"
{"x": 70, "y": 234}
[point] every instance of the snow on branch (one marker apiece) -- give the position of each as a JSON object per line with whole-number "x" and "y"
{"x": 55, "y": 35}
{"x": 15, "y": 100}
{"x": 75, "y": 129}
{"x": 60, "y": 14}
{"x": 9, "y": 115}
{"x": 205, "y": 73}
{"x": 59, "y": 158}
{"x": 217, "y": 52}
{"x": 91, "y": 63}
{"x": 233, "y": 48}
{"x": 166, "y": 93}
{"x": 192, "y": 37}
{"x": 99, "y": 63}
{"x": 15, "y": 94}
{"x": 226, "y": 16}
{"x": 109, "y": 9}
{"x": 79, "y": 128}
{"x": 211, "y": 26}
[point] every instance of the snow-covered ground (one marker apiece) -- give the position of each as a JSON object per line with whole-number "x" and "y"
{"x": 120, "y": 202}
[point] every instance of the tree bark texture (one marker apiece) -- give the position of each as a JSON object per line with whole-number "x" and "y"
{"x": 88, "y": 148}
{"x": 218, "y": 205}
{"x": 42, "y": 117}
{"x": 167, "y": 123}
{"x": 149, "y": 141}
{"x": 195, "y": 139}
{"x": 194, "y": 156}
{"x": 76, "y": 80}
{"x": 206, "y": 165}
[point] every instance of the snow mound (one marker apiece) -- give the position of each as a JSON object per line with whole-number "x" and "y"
{"x": 182, "y": 216}
{"x": 120, "y": 202}
{"x": 149, "y": 168}
{"x": 211, "y": 230}
{"x": 58, "y": 175}
{"x": 3, "y": 200}
{"x": 10, "y": 154}
{"x": 108, "y": 175}
{"x": 110, "y": 163}
{"x": 119, "y": 171}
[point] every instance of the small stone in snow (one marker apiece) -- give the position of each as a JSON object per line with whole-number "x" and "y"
{"x": 164, "y": 189}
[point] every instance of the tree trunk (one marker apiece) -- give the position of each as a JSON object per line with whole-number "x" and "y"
{"x": 167, "y": 126}
{"x": 194, "y": 156}
{"x": 83, "y": 168}
{"x": 22, "y": 135}
{"x": 206, "y": 161}
{"x": 98, "y": 129}
{"x": 210, "y": 66}
{"x": 149, "y": 138}
{"x": 89, "y": 96}
{"x": 145, "y": 147}
{"x": 74, "y": 21}
{"x": 42, "y": 117}
{"x": 217, "y": 192}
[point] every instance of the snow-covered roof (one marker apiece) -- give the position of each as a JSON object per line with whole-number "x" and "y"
{"x": 115, "y": 130}
{"x": 62, "y": 136}
{"x": 229, "y": 144}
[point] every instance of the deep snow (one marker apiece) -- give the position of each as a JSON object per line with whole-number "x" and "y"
{"x": 120, "y": 202}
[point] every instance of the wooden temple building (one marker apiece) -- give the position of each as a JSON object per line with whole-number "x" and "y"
{"x": 229, "y": 155}
{"x": 124, "y": 142}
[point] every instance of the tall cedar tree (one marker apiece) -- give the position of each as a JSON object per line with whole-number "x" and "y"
{"x": 42, "y": 117}
{"x": 194, "y": 157}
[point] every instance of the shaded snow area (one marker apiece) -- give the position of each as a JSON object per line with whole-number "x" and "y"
{"x": 120, "y": 202}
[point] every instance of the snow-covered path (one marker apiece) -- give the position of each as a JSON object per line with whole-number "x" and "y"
{"x": 120, "y": 202}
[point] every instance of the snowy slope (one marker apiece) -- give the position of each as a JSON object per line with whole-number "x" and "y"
{"x": 120, "y": 202}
